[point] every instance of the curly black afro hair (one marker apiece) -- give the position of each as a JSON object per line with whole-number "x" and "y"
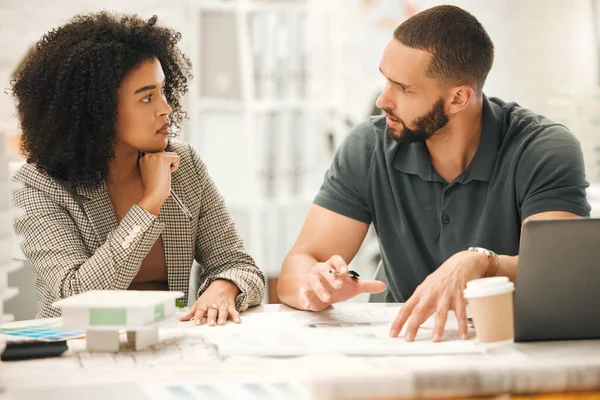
{"x": 67, "y": 91}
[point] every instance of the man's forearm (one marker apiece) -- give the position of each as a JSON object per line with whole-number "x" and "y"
{"x": 507, "y": 266}
{"x": 294, "y": 274}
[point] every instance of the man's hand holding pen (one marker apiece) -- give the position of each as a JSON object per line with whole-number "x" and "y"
{"x": 331, "y": 282}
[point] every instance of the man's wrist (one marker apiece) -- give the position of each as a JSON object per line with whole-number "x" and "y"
{"x": 488, "y": 266}
{"x": 482, "y": 263}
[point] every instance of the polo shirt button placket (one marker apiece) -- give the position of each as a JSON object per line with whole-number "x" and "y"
{"x": 445, "y": 219}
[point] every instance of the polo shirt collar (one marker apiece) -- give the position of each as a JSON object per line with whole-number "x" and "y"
{"x": 413, "y": 158}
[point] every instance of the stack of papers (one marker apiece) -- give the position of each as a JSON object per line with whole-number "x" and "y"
{"x": 44, "y": 331}
{"x": 348, "y": 332}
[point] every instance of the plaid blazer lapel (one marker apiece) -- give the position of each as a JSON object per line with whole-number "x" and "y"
{"x": 99, "y": 210}
{"x": 176, "y": 235}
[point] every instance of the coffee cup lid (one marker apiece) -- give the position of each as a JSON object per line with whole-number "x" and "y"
{"x": 488, "y": 287}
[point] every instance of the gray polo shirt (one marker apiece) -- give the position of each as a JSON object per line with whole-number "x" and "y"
{"x": 525, "y": 164}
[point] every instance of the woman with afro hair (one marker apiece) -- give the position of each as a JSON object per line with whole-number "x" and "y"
{"x": 98, "y": 101}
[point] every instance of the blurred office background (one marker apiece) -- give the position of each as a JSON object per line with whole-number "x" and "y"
{"x": 278, "y": 84}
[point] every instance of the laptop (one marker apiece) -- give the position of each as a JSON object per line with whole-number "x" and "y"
{"x": 557, "y": 293}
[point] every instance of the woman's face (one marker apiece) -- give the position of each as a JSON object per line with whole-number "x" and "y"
{"x": 143, "y": 111}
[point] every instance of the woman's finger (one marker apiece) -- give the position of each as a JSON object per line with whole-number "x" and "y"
{"x": 211, "y": 315}
{"x": 223, "y": 314}
{"x": 190, "y": 314}
{"x": 175, "y": 165}
{"x": 200, "y": 313}
{"x": 235, "y": 315}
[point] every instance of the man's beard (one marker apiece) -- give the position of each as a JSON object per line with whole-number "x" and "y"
{"x": 426, "y": 125}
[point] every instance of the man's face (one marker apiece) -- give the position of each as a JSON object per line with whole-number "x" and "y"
{"x": 412, "y": 101}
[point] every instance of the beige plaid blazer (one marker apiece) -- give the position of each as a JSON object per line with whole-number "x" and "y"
{"x": 73, "y": 242}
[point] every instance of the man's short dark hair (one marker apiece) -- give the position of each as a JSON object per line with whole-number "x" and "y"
{"x": 461, "y": 48}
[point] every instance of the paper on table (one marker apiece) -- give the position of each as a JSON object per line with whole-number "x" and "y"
{"x": 218, "y": 390}
{"x": 349, "y": 332}
{"x": 331, "y": 317}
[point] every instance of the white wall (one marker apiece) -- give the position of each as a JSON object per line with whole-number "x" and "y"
{"x": 23, "y": 22}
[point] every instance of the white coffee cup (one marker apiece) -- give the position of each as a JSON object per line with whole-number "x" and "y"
{"x": 491, "y": 304}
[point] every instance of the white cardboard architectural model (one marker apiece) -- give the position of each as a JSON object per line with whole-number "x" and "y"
{"x": 105, "y": 313}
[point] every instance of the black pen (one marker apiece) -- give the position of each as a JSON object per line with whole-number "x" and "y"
{"x": 352, "y": 274}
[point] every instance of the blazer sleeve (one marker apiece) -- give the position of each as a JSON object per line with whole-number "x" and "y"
{"x": 219, "y": 248}
{"x": 61, "y": 262}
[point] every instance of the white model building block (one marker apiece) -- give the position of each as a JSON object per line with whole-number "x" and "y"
{"x": 102, "y": 341}
{"x": 143, "y": 338}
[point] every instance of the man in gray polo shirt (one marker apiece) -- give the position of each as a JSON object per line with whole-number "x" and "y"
{"x": 447, "y": 177}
